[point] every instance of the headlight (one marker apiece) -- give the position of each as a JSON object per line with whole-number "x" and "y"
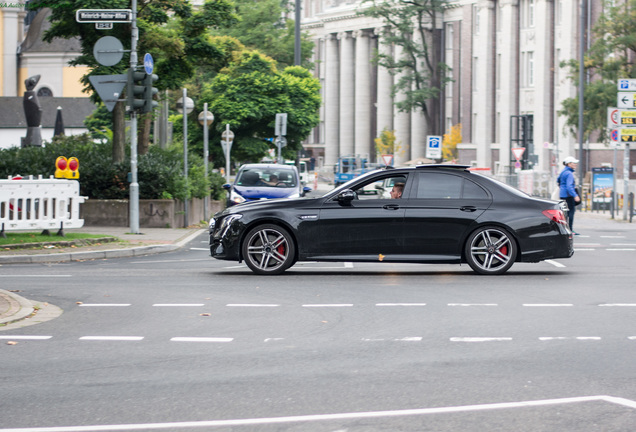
{"x": 227, "y": 221}
{"x": 236, "y": 198}
{"x": 211, "y": 225}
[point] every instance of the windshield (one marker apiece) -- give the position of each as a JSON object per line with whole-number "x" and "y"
{"x": 267, "y": 177}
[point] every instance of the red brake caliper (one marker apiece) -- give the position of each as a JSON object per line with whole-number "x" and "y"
{"x": 281, "y": 250}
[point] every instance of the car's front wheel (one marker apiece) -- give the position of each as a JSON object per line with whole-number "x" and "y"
{"x": 490, "y": 251}
{"x": 268, "y": 249}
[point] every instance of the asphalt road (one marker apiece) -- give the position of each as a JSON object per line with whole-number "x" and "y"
{"x": 181, "y": 342}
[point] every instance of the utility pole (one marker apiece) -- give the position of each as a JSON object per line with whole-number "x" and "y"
{"x": 134, "y": 185}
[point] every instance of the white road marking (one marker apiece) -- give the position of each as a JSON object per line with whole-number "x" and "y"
{"x": 555, "y": 263}
{"x": 330, "y": 417}
{"x": 105, "y": 304}
{"x": 35, "y": 276}
{"x": 620, "y": 249}
{"x": 583, "y": 249}
{"x": 170, "y": 261}
{"x": 618, "y": 236}
{"x": 327, "y": 305}
{"x": 25, "y": 337}
{"x": 348, "y": 265}
{"x": 400, "y": 304}
{"x": 472, "y": 304}
{"x": 617, "y": 305}
{"x": 480, "y": 339}
{"x": 201, "y": 339}
{"x": 178, "y": 304}
{"x": 623, "y": 244}
{"x": 255, "y": 305}
{"x": 201, "y": 249}
{"x": 112, "y": 338}
{"x": 560, "y": 338}
{"x": 273, "y": 339}
{"x": 547, "y": 305}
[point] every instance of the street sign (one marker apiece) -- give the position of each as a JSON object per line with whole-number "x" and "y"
{"x": 617, "y": 117}
{"x": 281, "y": 124}
{"x": 103, "y": 15}
{"x": 108, "y": 51}
{"x": 627, "y": 85}
{"x": 149, "y": 63}
{"x": 518, "y": 152}
{"x": 433, "y": 147}
{"x": 388, "y": 159}
{"x": 624, "y": 135}
{"x": 227, "y": 135}
{"x": 109, "y": 88}
{"x": 626, "y": 100}
{"x": 104, "y": 26}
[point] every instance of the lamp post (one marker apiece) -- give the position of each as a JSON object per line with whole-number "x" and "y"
{"x": 185, "y": 105}
{"x": 226, "y": 142}
{"x": 205, "y": 119}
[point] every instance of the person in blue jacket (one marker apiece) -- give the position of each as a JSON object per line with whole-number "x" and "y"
{"x": 567, "y": 188}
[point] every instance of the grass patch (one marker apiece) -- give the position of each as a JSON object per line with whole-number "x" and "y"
{"x": 14, "y": 238}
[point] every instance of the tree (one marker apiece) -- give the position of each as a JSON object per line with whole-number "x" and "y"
{"x": 249, "y": 94}
{"x": 410, "y": 24}
{"x": 177, "y": 47}
{"x": 610, "y": 57}
{"x": 262, "y": 27}
{"x": 450, "y": 141}
{"x": 387, "y": 144}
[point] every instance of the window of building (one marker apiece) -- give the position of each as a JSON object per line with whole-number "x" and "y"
{"x": 530, "y": 13}
{"x": 475, "y": 19}
{"x": 530, "y": 69}
{"x": 475, "y": 80}
{"x": 44, "y": 92}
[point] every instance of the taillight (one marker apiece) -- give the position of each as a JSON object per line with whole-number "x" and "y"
{"x": 556, "y": 215}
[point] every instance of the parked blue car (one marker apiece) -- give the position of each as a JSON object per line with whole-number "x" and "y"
{"x": 265, "y": 181}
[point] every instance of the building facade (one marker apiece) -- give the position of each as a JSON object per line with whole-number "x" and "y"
{"x": 504, "y": 58}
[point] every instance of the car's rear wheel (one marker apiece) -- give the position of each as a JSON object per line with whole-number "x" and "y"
{"x": 268, "y": 249}
{"x": 490, "y": 251}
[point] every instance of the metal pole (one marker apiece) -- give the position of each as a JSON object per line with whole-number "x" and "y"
{"x": 186, "y": 215}
{"x": 134, "y": 185}
{"x": 581, "y": 88}
{"x": 205, "y": 158}
{"x": 227, "y": 152}
{"x": 625, "y": 180}
{"x": 297, "y": 35}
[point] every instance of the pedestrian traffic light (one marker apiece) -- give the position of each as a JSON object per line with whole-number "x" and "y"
{"x": 150, "y": 91}
{"x": 136, "y": 90}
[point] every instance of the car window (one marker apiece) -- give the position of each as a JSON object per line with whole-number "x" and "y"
{"x": 473, "y": 191}
{"x": 267, "y": 177}
{"x": 439, "y": 186}
{"x": 379, "y": 188}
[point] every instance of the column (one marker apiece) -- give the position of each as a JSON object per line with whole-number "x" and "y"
{"x": 363, "y": 139}
{"x": 384, "y": 119}
{"x": 347, "y": 94}
{"x": 9, "y": 29}
{"x": 332, "y": 100}
{"x": 402, "y": 122}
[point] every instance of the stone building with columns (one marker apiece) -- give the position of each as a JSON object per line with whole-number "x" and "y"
{"x": 504, "y": 58}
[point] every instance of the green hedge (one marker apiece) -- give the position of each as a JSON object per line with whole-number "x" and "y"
{"x": 159, "y": 173}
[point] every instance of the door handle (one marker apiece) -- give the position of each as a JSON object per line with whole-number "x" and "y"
{"x": 468, "y": 208}
{"x": 391, "y": 207}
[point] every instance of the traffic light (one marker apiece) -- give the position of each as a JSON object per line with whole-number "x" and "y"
{"x": 136, "y": 90}
{"x": 150, "y": 92}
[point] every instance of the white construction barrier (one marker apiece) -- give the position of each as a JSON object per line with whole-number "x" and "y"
{"x": 40, "y": 204}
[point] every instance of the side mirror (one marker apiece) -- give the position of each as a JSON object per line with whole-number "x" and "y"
{"x": 227, "y": 186}
{"x": 346, "y": 196}
{"x": 306, "y": 189}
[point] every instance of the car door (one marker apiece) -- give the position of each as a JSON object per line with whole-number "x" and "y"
{"x": 442, "y": 207}
{"x": 369, "y": 227}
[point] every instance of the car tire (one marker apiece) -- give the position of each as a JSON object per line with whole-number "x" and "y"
{"x": 490, "y": 250}
{"x": 268, "y": 249}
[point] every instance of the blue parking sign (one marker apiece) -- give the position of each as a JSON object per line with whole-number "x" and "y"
{"x": 434, "y": 147}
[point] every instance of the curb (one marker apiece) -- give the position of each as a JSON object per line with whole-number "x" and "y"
{"x": 19, "y": 308}
{"x": 109, "y": 253}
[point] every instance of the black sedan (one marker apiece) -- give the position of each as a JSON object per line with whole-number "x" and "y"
{"x": 445, "y": 214}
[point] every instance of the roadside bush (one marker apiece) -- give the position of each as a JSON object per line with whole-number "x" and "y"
{"x": 159, "y": 173}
